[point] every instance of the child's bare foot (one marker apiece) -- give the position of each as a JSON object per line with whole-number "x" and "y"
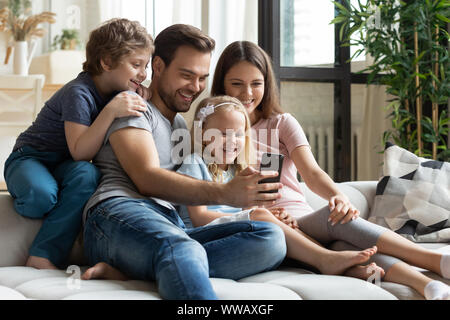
{"x": 40, "y": 263}
{"x": 364, "y": 272}
{"x": 338, "y": 262}
{"x": 103, "y": 270}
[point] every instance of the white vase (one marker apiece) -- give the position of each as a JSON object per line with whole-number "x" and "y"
{"x": 22, "y": 57}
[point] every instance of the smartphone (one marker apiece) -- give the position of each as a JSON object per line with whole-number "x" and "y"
{"x": 271, "y": 162}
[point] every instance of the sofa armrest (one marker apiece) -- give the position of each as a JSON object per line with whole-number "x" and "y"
{"x": 17, "y": 234}
{"x": 367, "y": 188}
{"x": 360, "y": 193}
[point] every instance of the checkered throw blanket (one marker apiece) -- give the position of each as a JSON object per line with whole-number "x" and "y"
{"x": 413, "y": 196}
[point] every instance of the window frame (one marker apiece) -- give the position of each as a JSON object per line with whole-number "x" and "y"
{"x": 340, "y": 75}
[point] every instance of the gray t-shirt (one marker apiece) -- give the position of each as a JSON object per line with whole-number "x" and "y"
{"x": 115, "y": 181}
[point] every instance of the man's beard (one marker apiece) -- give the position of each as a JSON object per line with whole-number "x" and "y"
{"x": 171, "y": 102}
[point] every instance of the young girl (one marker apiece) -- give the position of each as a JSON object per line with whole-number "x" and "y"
{"x": 221, "y": 139}
{"x": 48, "y": 173}
{"x": 244, "y": 71}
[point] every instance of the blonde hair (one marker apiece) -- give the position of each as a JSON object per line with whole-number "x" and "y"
{"x": 224, "y": 103}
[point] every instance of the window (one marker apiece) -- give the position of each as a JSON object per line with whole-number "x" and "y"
{"x": 305, "y": 49}
{"x": 306, "y": 37}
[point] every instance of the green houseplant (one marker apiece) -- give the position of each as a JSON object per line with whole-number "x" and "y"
{"x": 408, "y": 42}
{"x": 68, "y": 40}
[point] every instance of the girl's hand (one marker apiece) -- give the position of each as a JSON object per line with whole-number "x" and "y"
{"x": 283, "y": 216}
{"x": 126, "y": 104}
{"x": 341, "y": 210}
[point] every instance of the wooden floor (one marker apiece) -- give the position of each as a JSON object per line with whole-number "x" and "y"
{"x": 2, "y": 186}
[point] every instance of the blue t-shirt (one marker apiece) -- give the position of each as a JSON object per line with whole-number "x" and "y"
{"x": 78, "y": 101}
{"x": 194, "y": 166}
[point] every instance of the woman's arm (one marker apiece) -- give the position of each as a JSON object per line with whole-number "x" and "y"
{"x": 200, "y": 215}
{"x": 320, "y": 183}
{"x": 315, "y": 178}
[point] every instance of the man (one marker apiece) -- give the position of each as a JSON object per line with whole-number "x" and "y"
{"x": 131, "y": 222}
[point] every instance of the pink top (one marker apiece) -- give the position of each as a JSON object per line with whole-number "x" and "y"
{"x": 282, "y": 134}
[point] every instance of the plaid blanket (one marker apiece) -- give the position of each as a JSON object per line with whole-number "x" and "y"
{"x": 413, "y": 196}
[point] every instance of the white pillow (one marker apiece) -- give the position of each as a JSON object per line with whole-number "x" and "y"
{"x": 413, "y": 196}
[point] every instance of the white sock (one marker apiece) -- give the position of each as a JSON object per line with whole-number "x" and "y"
{"x": 437, "y": 290}
{"x": 445, "y": 265}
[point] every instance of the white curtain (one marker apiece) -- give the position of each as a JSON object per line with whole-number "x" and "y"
{"x": 232, "y": 20}
{"x": 375, "y": 122}
{"x": 372, "y": 122}
{"x": 224, "y": 20}
{"x": 103, "y": 10}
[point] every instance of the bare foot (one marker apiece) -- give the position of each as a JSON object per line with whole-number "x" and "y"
{"x": 40, "y": 263}
{"x": 338, "y": 261}
{"x": 364, "y": 272}
{"x": 103, "y": 270}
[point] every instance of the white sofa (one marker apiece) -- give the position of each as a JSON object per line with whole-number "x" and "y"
{"x": 286, "y": 283}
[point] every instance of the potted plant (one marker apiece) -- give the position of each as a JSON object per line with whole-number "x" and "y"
{"x": 17, "y": 20}
{"x": 68, "y": 40}
{"x": 407, "y": 40}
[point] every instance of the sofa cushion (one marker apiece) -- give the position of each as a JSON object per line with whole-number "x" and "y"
{"x": 10, "y": 294}
{"x": 284, "y": 284}
{"x": 115, "y": 295}
{"x": 25, "y": 282}
{"x": 413, "y": 196}
{"x": 312, "y": 286}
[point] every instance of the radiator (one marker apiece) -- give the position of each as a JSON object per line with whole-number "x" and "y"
{"x": 321, "y": 140}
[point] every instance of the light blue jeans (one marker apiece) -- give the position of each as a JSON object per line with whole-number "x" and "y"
{"x": 149, "y": 242}
{"x": 53, "y": 187}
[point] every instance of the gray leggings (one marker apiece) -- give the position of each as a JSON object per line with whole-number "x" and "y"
{"x": 354, "y": 235}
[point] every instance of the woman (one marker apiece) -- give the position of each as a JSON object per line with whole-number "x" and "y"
{"x": 244, "y": 71}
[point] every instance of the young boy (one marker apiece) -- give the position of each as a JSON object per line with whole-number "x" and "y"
{"x": 48, "y": 173}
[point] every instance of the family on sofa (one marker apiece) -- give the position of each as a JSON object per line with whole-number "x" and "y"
{"x": 148, "y": 213}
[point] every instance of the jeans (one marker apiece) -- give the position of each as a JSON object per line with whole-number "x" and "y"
{"x": 149, "y": 242}
{"x": 50, "y": 186}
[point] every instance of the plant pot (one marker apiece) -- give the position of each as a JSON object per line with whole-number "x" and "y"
{"x": 69, "y": 44}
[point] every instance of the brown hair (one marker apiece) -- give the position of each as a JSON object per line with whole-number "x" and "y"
{"x": 224, "y": 103}
{"x": 248, "y": 51}
{"x": 177, "y": 35}
{"x": 114, "y": 39}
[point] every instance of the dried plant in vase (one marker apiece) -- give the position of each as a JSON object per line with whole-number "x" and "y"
{"x": 21, "y": 26}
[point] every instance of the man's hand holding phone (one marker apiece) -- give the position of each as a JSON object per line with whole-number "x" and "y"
{"x": 271, "y": 162}
{"x": 246, "y": 191}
